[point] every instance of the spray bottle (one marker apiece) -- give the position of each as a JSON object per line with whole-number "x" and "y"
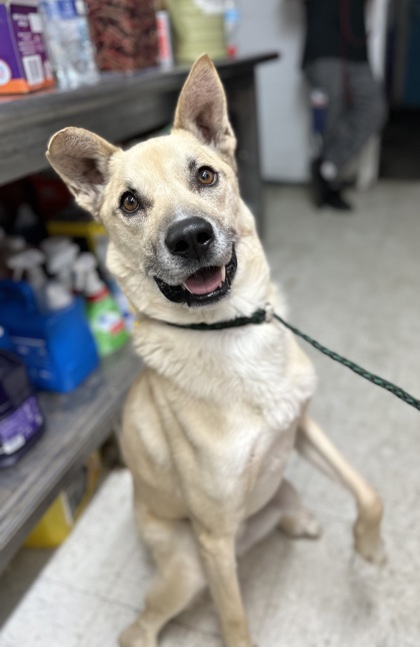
{"x": 27, "y": 265}
{"x": 61, "y": 254}
{"x": 49, "y": 295}
{"x": 103, "y": 315}
{"x": 9, "y": 246}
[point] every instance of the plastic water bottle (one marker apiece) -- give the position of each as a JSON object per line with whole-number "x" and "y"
{"x": 69, "y": 44}
{"x": 231, "y": 19}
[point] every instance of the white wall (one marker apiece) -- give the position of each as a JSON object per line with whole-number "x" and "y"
{"x": 283, "y": 108}
{"x": 377, "y": 29}
{"x": 283, "y": 113}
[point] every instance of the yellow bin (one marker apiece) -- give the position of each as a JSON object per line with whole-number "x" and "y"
{"x": 60, "y": 518}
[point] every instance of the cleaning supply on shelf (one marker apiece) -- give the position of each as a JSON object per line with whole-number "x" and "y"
{"x": 28, "y": 265}
{"x": 104, "y": 317}
{"x": 24, "y": 63}
{"x": 21, "y": 419}
{"x": 50, "y": 295}
{"x": 55, "y": 344}
{"x": 87, "y": 234}
{"x": 9, "y": 246}
{"x": 5, "y": 343}
{"x": 122, "y": 302}
{"x": 61, "y": 254}
{"x": 69, "y": 44}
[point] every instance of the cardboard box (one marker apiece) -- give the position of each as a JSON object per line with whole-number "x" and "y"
{"x": 24, "y": 64}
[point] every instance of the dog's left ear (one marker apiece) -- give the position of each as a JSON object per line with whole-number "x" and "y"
{"x": 202, "y": 109}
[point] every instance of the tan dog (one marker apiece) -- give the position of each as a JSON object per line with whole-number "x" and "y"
{"x": 210, "y": 424}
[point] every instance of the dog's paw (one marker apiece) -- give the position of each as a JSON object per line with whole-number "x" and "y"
{"x": 368, "y": 542}
{"x": 301, "y": 525}
{"x": 136, "y": 636}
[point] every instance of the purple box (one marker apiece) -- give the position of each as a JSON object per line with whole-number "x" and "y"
{"x": 24, "y": 64}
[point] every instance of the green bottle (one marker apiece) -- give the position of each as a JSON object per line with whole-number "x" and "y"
{"x": 105, "y": 319}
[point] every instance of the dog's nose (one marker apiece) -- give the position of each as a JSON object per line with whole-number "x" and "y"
{"x": 190, "y": 237}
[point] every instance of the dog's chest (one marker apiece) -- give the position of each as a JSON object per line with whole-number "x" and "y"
{"x": 267, "y": 372}
{"x": 267, "y": 463}
{"x": 237, "y": 399}
{"x": 259, "y": 372}
{"x": 270, "y": 381}
{"x": 262, "y": 386}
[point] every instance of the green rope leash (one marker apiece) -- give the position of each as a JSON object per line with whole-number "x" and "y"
{"x": 261, "y": 316}
{"x": 375, "y": 379}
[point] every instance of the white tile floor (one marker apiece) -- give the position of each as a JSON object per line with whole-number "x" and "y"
{"x": 354, "y": 283}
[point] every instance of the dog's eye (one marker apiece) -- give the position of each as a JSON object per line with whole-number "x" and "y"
{"x": 129, "y": 203}
{"x": 206, "y": 176}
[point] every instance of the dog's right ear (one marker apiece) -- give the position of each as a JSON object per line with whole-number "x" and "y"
{"x": 202, "y": 109}
{"x": 82, "y": 159}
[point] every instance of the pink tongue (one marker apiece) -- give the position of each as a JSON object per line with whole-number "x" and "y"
{"x": 204, "y": 281}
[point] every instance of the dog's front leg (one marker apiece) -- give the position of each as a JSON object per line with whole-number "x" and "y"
{"x": 218, "y": 553}
{"x": 314, "y": 445}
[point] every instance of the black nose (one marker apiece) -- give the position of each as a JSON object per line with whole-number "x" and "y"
{"x": 190, "y": 237}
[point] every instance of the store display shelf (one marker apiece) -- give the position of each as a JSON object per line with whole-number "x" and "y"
{"x": 118, "y": 107}
{"x": 76, "y": 424}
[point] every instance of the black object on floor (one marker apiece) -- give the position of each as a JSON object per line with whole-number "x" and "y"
{"x": 335, "y": 200}
{"x": 325, "y": 193}
{"x": 319, "y": 186}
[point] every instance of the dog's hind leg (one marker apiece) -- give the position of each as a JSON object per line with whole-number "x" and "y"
{"x": 179, "y": 578}
{"x": 314, "y": 445}
{"x": 296, "y": 521}
{"x": 286, "y": 512}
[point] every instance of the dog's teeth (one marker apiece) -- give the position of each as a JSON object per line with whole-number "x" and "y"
{"x": 187, "y": 288}
{"x": 223, "y": 274}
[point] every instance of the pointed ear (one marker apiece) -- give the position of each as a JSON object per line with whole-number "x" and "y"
{"x": 81, "y": 159}
{"x": 202, "y": 109}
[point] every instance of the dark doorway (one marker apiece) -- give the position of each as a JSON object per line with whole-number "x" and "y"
{"x": 400, "y": 156}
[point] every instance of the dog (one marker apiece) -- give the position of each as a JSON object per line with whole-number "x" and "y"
{"x": 210, "y": 424}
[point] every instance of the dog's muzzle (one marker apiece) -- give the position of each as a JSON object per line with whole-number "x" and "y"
{"x": 193, "y": 239}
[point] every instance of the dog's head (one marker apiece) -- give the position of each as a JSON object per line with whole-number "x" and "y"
{"x": 171, "y": 205}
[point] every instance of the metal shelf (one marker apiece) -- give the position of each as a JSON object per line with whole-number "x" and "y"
{"x": 76, "y": 424}
{"x": 117, "y": 107}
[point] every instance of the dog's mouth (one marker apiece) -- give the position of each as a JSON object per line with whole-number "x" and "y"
{"x": 207, "y": 285}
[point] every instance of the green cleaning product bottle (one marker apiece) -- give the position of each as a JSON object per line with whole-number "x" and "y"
{"x": 105, "y": 319}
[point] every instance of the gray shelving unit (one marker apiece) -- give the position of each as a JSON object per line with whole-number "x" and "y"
{"x": 76, "y": 424}
{"x": 118, "y": 107}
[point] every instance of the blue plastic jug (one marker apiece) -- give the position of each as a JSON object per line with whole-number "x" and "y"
{"x": 56, "y": 346}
